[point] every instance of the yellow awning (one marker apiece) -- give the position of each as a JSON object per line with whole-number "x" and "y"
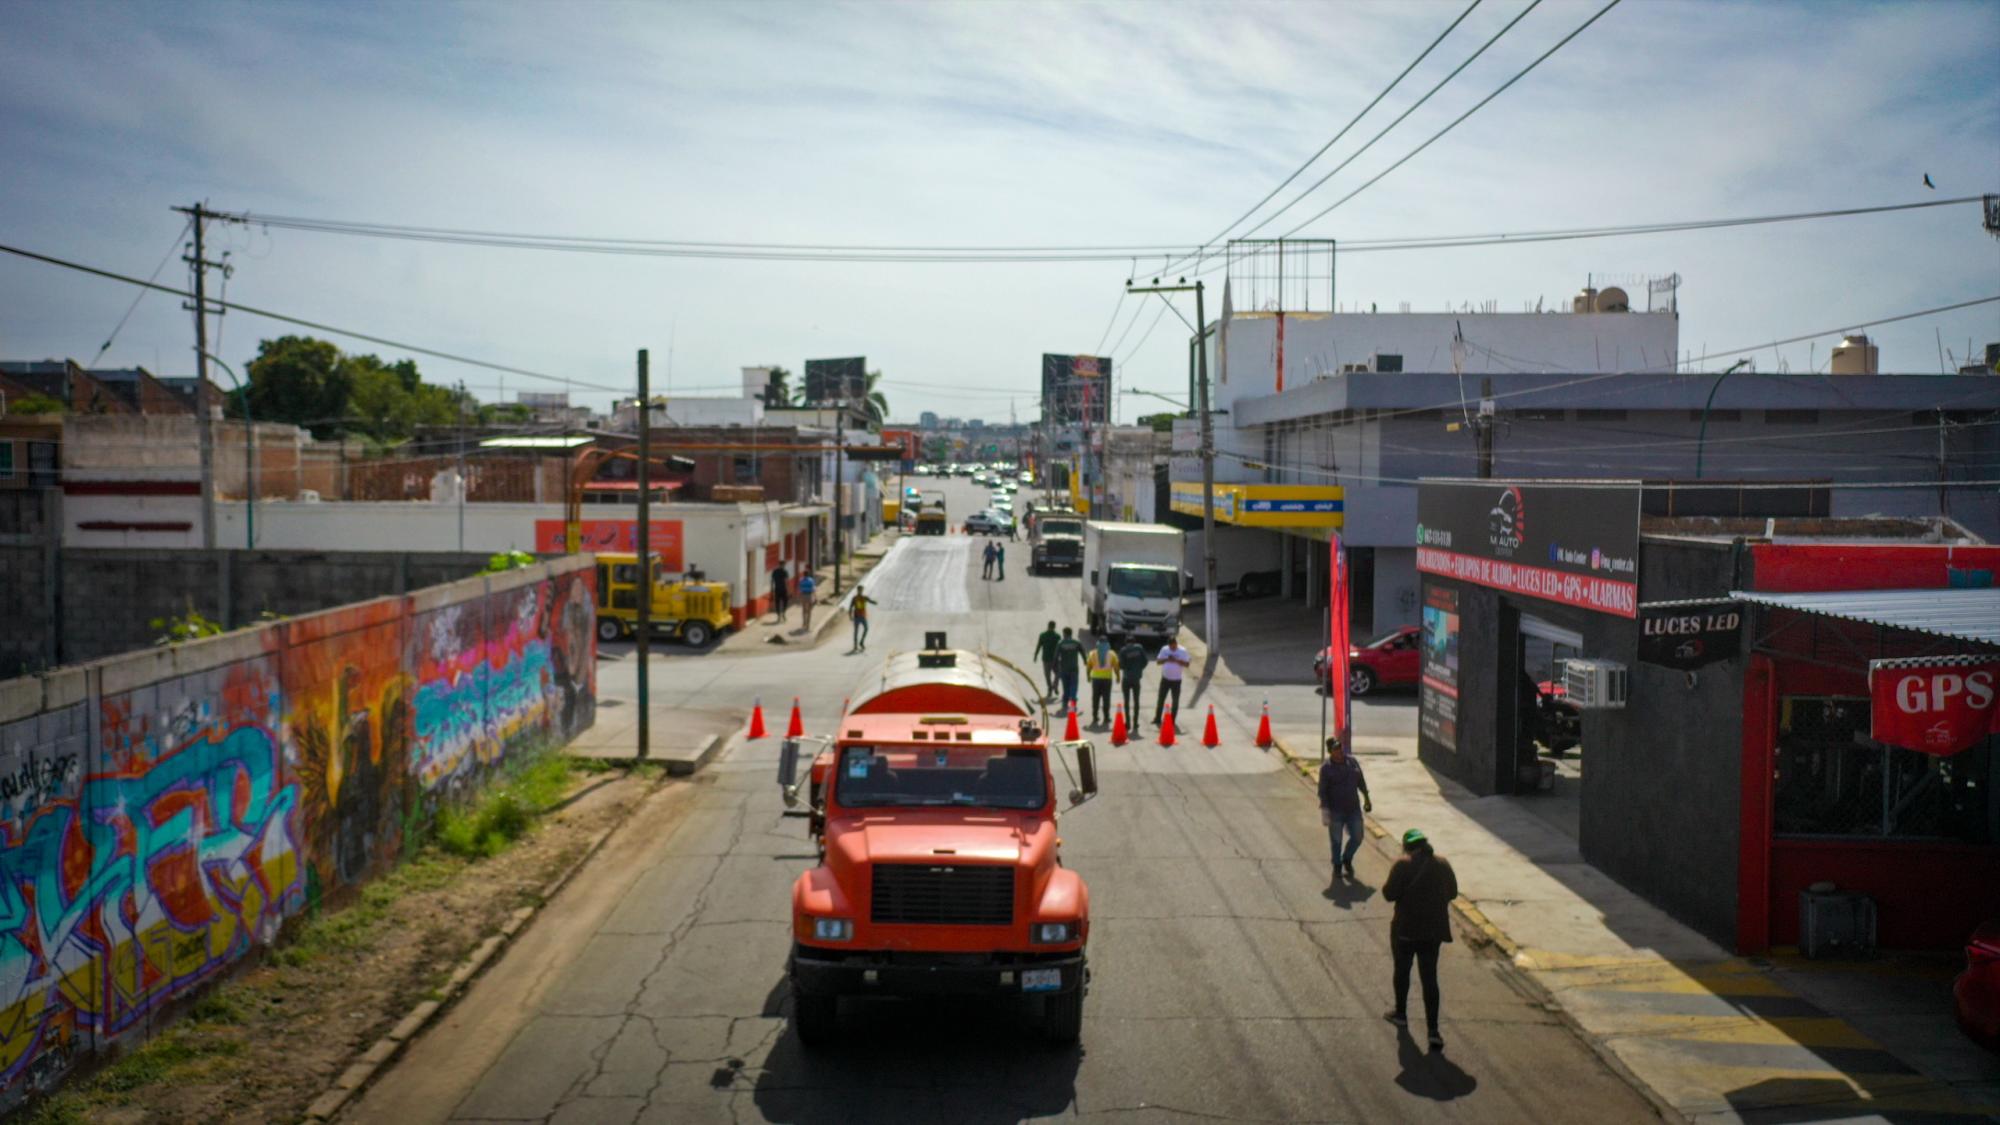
{"x": 1266, "y": 505}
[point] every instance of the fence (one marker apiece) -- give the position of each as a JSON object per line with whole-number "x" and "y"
{"x": 163, "y": 814}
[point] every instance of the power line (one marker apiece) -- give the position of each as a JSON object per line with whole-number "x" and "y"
{"x": 1373, "y": 102}
{"x": 131, "y": 308}
{"x": 1504, "y": 86}
{"x": 314, "y": 325}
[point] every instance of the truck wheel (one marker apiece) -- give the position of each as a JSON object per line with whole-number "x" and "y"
{"x": 814, "y": 1017}
{"x": 609, "y": 630}
{"x": 696, "y": 633}
{"x": 1062, "y": 1017}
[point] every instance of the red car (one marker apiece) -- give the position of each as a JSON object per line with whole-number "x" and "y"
{"x": 1393, "y": 659}
{"x": 1977, "y": 989}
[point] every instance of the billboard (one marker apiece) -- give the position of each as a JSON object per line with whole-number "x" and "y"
{"x": 1076, "y": 389}
{"x": 830, "y": 380}
{"x": 1437, "y": 702}
{"x": 1574, "y": 543}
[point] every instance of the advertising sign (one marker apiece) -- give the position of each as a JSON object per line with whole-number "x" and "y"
{"x": 1568, "y": 543}
{"x": 1688, "y": 635}
{"x": 1938, "y": 707}
{"x": 613, "y": 537}
{"x": 1338, "y": 628}
{"x": 1437, "y": 703}
{"x": 1074, "y": 389}
{"x": 830, "y": 380}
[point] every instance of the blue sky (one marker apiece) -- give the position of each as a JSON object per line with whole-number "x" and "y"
{"x": 971, "y": 124}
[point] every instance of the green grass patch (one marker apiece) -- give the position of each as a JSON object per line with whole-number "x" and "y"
{"x": 505, "y": 812}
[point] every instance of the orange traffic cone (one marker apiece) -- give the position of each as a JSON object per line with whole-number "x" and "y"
{"x": 1264, "y": 729}
{"x": 1119, "y": 731}
{"x": 1071, "y": 732}
{"x": 1209, "y": 737}
{"x": 1167, "y": 730}
{"x": 798, "y": 723}
{"x": 757, "y": 719}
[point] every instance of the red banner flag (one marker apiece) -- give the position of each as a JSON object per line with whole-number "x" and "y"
{"x": 1337, "y": 639}
{"x": 1938, "y": 708}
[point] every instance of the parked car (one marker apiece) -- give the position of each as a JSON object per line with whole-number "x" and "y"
{"x": 987, "y": 522}
{"x": 1976, "y": 992}
{"x": 1393, "y": 659}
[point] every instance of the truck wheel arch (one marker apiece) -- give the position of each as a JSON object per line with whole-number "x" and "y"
{"x": 1065, "y": 896}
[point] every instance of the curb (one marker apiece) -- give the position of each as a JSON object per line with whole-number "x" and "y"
{"x": 384, "y": 1051}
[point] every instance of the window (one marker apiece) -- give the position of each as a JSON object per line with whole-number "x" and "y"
{"x": 1791, "y": 417}
{"x": 1731, "y": 415}
{"x": 42, "y": 472}
{"x": 1388, "y": 362}
{"x": 745, "y": 472}
{"x": 1144, "y": 582}
{"x": 995, "y": 777}
{"x": 6, "y": 460}
{"x": 1832, "y": 781}
{"x": 1600, "y": 415}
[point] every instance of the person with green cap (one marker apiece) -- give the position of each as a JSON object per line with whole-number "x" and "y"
{"x": 1422, "y": 885}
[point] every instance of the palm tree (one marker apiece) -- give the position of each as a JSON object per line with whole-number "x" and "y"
{"x": 777, "y": 389}
{"x": 874, "y": 403}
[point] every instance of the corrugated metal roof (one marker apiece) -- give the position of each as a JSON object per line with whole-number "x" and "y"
{"x": 523, "y": 441}
{"x": 1971, "y": 615}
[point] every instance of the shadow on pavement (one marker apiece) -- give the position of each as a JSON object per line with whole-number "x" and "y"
{"x": 956, "y": 1059}
{"x": 1348, "y": 893}
{"x": 1430, "y": 1075}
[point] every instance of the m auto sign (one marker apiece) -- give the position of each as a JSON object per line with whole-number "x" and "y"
{"x": 1576, "y": 543}
{"x": 1935, "y": 706}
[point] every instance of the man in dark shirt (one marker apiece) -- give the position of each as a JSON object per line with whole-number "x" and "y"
{"x": 1422, "y": 886}
{"x": 1132, "y": 661}
{"x": 1045, "y": 651}
{"x": 1069, "y": 662}
{"x": 1343, "y": 797}
{"x": 781, "y": 590}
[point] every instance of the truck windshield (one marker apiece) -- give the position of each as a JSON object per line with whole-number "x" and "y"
{"x": 1144, "y": 582}
{"x": 995, "y": 777}
{"x": 1061, "y": 527}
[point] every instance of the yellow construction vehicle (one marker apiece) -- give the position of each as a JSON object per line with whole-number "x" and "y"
{"x": 692, "y": 610}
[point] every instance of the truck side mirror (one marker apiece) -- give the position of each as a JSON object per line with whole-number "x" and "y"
{"x": 788, "y": 769}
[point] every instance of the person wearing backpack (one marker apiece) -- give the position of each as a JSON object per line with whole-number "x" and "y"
{"x": 1422, "y": 886}
{"x": 807, "y": 585}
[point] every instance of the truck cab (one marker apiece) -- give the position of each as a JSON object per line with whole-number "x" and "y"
{"x": 931, "y": 518}
{"x": 934, "y": 807}
{"x": 1058, "y": 542}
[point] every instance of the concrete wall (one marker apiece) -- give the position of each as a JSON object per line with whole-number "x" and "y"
{"x": 164, "y": 814}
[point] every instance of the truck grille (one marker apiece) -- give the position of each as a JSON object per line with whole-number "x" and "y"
{"x": 938, "y": 894}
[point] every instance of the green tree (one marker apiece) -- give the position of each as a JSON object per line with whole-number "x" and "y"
{"x": 311, "y": 383}
{"x": 34, "y": 402}
{"x": 874, "y": 402}
{"x": 778, "y": 389}
{"x": 1161, "y": 423}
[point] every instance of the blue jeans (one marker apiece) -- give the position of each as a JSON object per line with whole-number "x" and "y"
{"x": 1351, "y": 824}
{"x": 1069, "y": 690}
{"x": 860, "y": 631}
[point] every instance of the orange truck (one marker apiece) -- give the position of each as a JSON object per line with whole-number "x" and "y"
{"x": 934, "y": 806}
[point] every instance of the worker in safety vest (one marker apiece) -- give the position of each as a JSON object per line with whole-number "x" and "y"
{"x": 1103, "y": 665}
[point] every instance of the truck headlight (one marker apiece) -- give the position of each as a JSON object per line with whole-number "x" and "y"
{"x": 1053, "y": 933}
{"x": 833, "y": 929}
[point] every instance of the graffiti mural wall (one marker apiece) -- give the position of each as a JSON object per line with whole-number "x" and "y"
{"x": 163, "y": 814}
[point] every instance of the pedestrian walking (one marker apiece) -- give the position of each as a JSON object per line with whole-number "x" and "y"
{"x": 986, "y": 571}
{"x": 1343, "y": 797}
{"x": 1010, "y": 529}
{"x": 781, "y": 590}
{"x": 1132, "y": 661}
{"x": 1000, "y": 561}
{"x": 807, "y": 585}
{"x": 1103, "y": 667}
{"x": 1173, "y": 661}
{"x": 857, "y": 611}
{"x": 1422, "y": 886}
{"x": 1045, "y": 651}
{"x": 1069, "y": 661}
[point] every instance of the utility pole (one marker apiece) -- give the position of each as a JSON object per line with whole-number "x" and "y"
{"x": 1484, "y": 429}
{"x": 1944, "y": 493}
{"x": 198, "y": 216}
{"x": 642, "y": 649}
{"x": 1210, "y": 619}
{"x": 839, "y": 490}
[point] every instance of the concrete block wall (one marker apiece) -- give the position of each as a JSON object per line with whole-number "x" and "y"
{"x": 165, "y": 813}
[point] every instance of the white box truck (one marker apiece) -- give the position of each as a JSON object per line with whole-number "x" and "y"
{"x": 1132, "y": 579}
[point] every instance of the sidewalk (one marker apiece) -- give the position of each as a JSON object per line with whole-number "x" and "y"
{"x": 766, "y": 629}
{"x": 1706, "y": 1035}
{"x": 682, "y": 739}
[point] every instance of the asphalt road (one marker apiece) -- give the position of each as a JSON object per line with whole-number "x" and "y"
{"x": 1229, "y": 979}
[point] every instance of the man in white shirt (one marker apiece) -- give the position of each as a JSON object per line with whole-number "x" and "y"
{"x": 1173, "y": 661}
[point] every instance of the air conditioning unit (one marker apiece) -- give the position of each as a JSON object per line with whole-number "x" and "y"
{"x": 1596, "y": 685}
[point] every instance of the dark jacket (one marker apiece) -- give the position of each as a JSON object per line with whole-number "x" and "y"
{"x": 1422, "y": 886}
{"x": 1341, "y": 786}
{"x": 1045, "y": 646}
{"x": 1132, "y": 661}
{"x": 1069, "y": 655}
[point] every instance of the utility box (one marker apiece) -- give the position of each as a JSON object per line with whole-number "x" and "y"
{"x": 1836, "y": 924}
{"x": 1595, "y": 685}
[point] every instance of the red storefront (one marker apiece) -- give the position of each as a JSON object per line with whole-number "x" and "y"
{"x": 1833, "y": 789}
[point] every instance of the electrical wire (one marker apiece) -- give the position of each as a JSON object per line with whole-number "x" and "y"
{"x": 1504, "y": 86}
{"x": 314, "y": 325}
{"x": 141, "y": 295}
{"x": 1353, "y": 121}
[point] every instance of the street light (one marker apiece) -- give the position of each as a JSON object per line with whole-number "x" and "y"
{"x": 249, "y": 450}
{"x": 1701, "y": 440}
{"x": 1168, "y": 399}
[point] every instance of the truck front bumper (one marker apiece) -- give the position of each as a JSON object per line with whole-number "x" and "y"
{"x": 861, "y": 972}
